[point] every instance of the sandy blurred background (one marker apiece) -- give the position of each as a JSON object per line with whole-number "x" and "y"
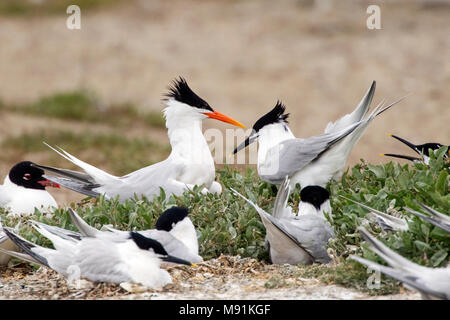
{"x": 318, "y": 57}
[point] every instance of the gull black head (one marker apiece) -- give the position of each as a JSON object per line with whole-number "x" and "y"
{"x": 314, "y": 195}
{"x": 276, "y": 115}
{"x": 27, "y": 175}
{"x": 171, "y": 217}
{"x": 148, "y": 244}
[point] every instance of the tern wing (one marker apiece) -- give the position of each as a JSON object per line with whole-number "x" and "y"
{"x": 85, "y": 229}
{"x": 313, "y": 233}
{"x": 280, "y": 207}
{"x": 95, "y": 174}
{"x": 172, "y": 245}
{"x": 436, "y": 218}
{"x": 385, "y": 220}
{"x": 101, "y": 261}
{"x": 391, "y": 257}
{"x": 411, "y": 281}
{"x": 292, "y": 155}
{"x": 60, "y": 232}
{"x": 357, "y": 115}
{"x": 288, "y": 234}
{"x": 74, "y": 185}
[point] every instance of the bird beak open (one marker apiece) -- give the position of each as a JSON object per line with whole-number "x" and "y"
{"x": 48, "y": 183}
{"x": 221, "y": 117}
{"x": 409, "y": 144}
{"x": 173, "y": 259}
{"x": 250, "y": 139}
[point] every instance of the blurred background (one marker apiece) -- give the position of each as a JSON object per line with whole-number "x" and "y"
{"x": 97, "y": 91}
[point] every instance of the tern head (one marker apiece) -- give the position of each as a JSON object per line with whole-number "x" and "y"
{"x": 27, "y": 175}
{"x": 157, "y": 248}
{"x": 314, "y": 199}
{"x": 422, "y": 149}
{"x": 275, "y": 119}
{"x": 171, "y": 217}
{"x": 185, "y": 104}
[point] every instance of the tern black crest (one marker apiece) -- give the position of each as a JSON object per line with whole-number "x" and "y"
{"x": 170, "y": 217}
{"x": 181, "y": 92}
{"x": 146, "y": 243}
{"x": 26, "y": 175}
{"x": 273, "y": 116}
{"x": 425, "y": 148}
{"x": 314, "y": 195}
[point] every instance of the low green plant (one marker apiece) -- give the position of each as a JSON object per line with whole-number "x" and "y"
{"x": 226, "y": 224}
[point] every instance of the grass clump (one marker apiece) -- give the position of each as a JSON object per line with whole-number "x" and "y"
{"x": 226, "y": 224}
{"x": 115, "y": 153}
{"x": 81, "y": 105}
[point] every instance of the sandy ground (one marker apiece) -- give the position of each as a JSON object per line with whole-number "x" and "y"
{"x": 223, "y": 278}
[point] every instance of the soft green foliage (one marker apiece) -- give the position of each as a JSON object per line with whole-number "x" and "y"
{"x": 81, "y": 105}
{"x": 115, "y": 153}
{"x": 226, "y": 224}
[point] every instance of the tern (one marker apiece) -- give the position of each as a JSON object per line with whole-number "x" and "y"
{"x": 174, "y": 230}
{"x": 190, "y": 162}
{"x": 312, "y": 161}
{"x": 432, "y": 283}
{"x": 302, "y": 238}
{"x": 23, "y": 190}
{"x": 386, "y": 221}
{"x": 6, "y": 244}
{"x": 436, "y": 218}
{"x": 423, "y": 150}
{"x": 135, "y": 260}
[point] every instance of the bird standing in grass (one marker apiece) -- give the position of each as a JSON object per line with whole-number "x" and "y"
{"x": 189, "y": 164}
{"x": 314, "y": 160}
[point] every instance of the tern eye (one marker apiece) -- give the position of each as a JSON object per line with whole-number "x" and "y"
{"x": 27, "y": 176}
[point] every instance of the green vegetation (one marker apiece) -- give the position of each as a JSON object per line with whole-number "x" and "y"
{"x": 227, "y": 225}
{"x": 81, "y": 105}
{"x": 117, "y": 154}
{"x": 40, "y": 7}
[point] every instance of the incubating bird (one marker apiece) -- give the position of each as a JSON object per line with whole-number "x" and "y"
{"x": 190, "y": 163}
{"x": 432, "y": 283}
{"x": 436, "y": 218}
{"x": 135, "y": 260}
{"x": 312, "y": 161}
{"x": 302, "y": 238}
{"x": 386, "y": 222}
{"x": 6, "y": 244}
{"x": 23, "y": 190}
{"x": 423, "y": 150}
{"x": 174, "y": 230}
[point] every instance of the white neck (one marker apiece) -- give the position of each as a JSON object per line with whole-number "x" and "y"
{"x": 270, "y": 136}
{"x": 185, "y": 232}
{"x": 308, "y": 208}
{"x": 184, "y": 126}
